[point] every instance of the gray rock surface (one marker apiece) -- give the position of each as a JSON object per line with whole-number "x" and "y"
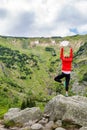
{"x": 60, "y": 128}
{"x": 83, "y": 128}
{"x": 23, "y": 116}
{"x": 73, "y": 109}
{"x": 37, "y": 126}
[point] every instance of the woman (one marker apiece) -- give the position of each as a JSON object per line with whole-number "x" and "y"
{"x": 66, "y": 68}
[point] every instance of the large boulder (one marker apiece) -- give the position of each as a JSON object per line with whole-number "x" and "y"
{"x": 23, "y": 116}
{"x": 71, "y": 109}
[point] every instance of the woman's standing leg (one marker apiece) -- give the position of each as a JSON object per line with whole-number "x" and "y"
{"x": 67, "y": 80}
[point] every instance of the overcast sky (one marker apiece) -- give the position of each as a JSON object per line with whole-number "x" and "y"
{"x": 43, "y": 18}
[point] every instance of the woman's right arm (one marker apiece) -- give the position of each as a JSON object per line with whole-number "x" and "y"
{"x": 61, "y": 53}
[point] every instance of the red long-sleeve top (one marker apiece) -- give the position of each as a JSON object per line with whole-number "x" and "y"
{"x": 66, "y": 61}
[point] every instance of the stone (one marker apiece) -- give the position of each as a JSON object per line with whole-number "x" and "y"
{"x": 37, "y": 126}
{"x": 73, "y": 109}
{"x": 60, "y": 128}
{"x": 58, "y": 123}
{"x": 83, "y": 128}
{"x": 24, "y": 116}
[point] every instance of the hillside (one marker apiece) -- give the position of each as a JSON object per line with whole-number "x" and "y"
{"x": 28, "y": 67}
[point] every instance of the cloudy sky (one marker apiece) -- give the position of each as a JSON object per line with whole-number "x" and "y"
{"x": 43, "y": 18}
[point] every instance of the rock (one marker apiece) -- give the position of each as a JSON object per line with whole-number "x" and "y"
{"x": 72, "y": 109}
{"x": 43, "y": 121}
{"x": 58, "y": 123}
{"x": 14, "y": 128}
{"x": 49, "y": 125}
{"x": 2, "y": 126}
{"x": 59, "y": 128}
{"x": 14, "y": 110}
{"x": 78, "y": 88}
{"x": 24, "y": 116}
{"x": 25, "y": 128}
{"x": 83, "y": 128}
{"x": 30, "y": 123}
{"x": 11, "y": 112}
{"x": 37, "y": 126}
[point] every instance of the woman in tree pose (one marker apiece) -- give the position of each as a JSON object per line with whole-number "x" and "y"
{"x": 66, "y": 68}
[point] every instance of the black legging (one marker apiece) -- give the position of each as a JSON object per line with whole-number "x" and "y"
{"x": 67, "y": 79}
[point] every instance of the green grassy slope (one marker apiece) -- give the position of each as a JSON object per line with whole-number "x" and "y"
{"x": 81, "y": 62}
{"x": 27, "y": 71}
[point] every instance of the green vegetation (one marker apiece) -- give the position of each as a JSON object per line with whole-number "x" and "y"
{"x": 12, "y": 124}
{"x": 81, "y": 62}
{"x": 69, "y": 125}
{"x": 27, "y": 70}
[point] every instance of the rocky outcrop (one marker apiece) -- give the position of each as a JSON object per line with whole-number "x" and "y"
{"x": 72, "y": 109}
{"x": 60, "y": 113}
{"x": 23, "y": 116}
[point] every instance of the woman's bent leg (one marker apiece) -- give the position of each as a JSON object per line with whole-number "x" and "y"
{"x": 59, "y": 77}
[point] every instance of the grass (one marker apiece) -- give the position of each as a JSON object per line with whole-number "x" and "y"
{"x": 16, "y": 84}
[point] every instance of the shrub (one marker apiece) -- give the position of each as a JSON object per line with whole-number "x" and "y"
{"x": 49, "y": 49}
{"x": 85, "y": 77}
{"x": 28, "y": 102}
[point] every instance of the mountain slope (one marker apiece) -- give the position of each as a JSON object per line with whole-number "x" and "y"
{"x": 27, "y": 70}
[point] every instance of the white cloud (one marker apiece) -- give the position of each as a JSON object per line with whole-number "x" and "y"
{"x": 42, "y": 17}
{"x": 82, "y": 7}
{"x": 82, "y": 28}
